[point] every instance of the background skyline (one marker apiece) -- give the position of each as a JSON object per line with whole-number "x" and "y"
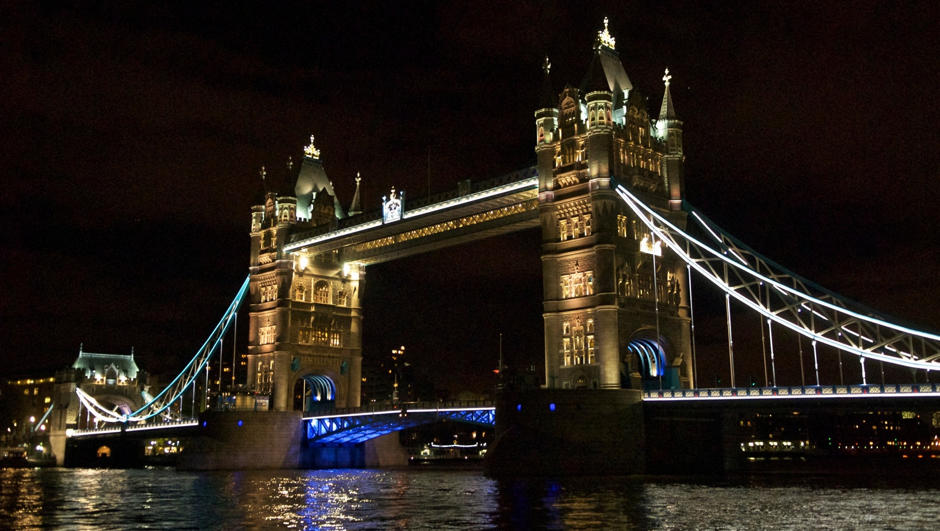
{"x": 133, "y": 135}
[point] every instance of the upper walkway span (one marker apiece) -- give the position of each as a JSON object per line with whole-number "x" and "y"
{"x": 473, "y": 211}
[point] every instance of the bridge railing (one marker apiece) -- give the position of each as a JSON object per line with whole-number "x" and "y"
{"x": 814, "y": 391}
{"x": 131, "y": 427}
{"x": 382, "y": 407}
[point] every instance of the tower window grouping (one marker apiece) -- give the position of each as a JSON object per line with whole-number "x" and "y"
{"x": 577, "y": 284}
{"x": 577, "y": 342}
{"x": 574, "y": 227}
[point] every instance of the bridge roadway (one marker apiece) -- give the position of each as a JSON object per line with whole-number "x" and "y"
{"x": 786, "y": 393}
{"x": 355, "y": 425}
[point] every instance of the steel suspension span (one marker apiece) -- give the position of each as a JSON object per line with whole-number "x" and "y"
{"x": 184, "y": 381}
{"x": 787, "y": 299}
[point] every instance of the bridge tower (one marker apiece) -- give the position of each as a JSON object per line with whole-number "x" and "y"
{"x": 615, "y": 305}
{"x": 305, "y": 342}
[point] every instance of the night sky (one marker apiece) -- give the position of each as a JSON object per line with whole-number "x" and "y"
{"x": 132, "y": 136}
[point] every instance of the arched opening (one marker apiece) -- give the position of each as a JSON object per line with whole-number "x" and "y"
{"x": 646, "y": 365}
{"x": 104, "y": 452}
{"x": 314, "y": 393}
{"x": 321, "y": 292}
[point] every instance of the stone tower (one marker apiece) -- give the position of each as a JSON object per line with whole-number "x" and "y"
{"x": 304, "y": 343}
{"x": 615, "y": 304}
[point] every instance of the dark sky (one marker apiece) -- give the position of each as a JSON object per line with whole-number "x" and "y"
{"x": 132, "y": 135}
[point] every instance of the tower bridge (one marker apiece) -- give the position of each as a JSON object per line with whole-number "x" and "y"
{"x": 619, "y": 249}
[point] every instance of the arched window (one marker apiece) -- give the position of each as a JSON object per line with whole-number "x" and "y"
{"x": 321, "y": 292}
{"x": 301, "y": 293}
{"x": 541, "y": 134}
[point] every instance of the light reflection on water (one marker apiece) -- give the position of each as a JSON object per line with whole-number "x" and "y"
{"x": 447, "y": 499}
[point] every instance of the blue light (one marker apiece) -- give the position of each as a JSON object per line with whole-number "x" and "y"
{"x": 551, "y": 407}
{"x": 240, "y": 423}
{"x": 204, "y": 423}
{"x": 518, "y": 407}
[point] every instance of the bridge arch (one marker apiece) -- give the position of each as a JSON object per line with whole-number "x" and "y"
{"x": 314, "y": 392}
{"x": 645, "y": 359}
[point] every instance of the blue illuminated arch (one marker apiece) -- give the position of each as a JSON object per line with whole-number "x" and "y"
{"x": 651, "y": 355}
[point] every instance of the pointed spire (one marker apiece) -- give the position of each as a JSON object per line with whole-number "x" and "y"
{"x": 354, "y": 207}
{"x": 264, "y": 182}
{"x": 547, "y": 99}
{"x": 667, "y": 111}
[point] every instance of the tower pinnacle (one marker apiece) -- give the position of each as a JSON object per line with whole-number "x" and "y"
{"x": 311, "y": 150}
{"x": 667, "y": 111}
{"x": 604, "y": 38}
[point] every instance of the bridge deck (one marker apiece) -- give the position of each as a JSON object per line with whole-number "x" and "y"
{"x": 796, "y": 392}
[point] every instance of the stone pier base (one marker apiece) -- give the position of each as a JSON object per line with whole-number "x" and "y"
{"x": 568, "y": 432}
{"x": 241, "y": 440}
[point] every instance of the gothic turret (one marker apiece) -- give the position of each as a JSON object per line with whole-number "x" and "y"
{"x": 669, "y": 128}
{"x": 546, "y": 125}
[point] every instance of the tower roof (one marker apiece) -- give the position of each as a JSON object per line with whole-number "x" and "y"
{"x": 667, "y": 111}
{"x": 605, "y": 54}
{"x": 596, "y": 79}
{"x": 95, "y": 364}
{"x": 312, "y": 180}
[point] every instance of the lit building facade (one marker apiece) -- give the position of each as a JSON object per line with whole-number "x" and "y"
{"x": 615, "y": 306}
{"x": 304, "y": 342}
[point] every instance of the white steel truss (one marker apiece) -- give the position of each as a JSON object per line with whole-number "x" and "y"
{"x": 786, "y": 298}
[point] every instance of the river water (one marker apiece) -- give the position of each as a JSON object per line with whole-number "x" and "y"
{"x": 451, "y": 499}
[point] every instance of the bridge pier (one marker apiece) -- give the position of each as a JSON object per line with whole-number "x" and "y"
{"x": 241, "y": 440}
{"x": 568, "y": 432}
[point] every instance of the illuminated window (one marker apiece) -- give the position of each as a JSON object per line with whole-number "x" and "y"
{"x": 541, "y": 134}
{"x": 566, "y": 350}
{"x": 566, "y": 328}
{"x": 575, "y": 226}
{"x": 267, "y": 334}
{"x": 590, "y": 326}
{"x": 268, "y": 290}
{"x": 587, "y": 225}
{"x": 321, "y": 292}
{"x": 577, "y": 284}
{"x": 590, "y": 346}
{"x": 621, "y": 225}
{"x": 300, "y": 293}
{"x": 563, "y": 229}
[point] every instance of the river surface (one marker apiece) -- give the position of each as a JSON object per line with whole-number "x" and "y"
{"x": 451, "y": 499}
